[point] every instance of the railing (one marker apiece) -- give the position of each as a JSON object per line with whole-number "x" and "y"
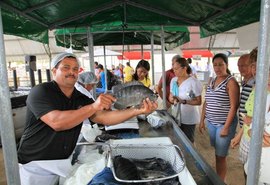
{"x": 24, "y": 80}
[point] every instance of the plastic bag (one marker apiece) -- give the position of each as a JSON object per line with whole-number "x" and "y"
{"x": 176, "y": 113}
{"x": 90, "y": 132}
{"x": 155, "y": 121}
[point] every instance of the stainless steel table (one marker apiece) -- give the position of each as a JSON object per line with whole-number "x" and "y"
{"x": 202, "y": 173}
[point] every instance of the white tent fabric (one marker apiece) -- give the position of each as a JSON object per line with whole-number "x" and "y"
{"x": 252, "y": 40}
{"x": 16, "y": 47}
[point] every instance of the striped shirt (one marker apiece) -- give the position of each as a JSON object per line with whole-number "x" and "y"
{"x": 246, "y": 90}
{"x": 217, "y": 102}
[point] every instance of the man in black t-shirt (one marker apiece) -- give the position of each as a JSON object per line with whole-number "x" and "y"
{"x": 55, "y": 112}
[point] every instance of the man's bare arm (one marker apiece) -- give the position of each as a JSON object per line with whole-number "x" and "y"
{"x": 64, "y": 120}
{"x": 118, "y": 116}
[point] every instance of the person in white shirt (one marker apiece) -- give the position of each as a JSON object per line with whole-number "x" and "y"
{"x": 197, "y": 67}
{"x": 210, "y": 70}
{"x": 186, "y": 90}
{"x": 193, "y": 70}
{"x": 96, "y": 69}
{"x": 86, "y": 82}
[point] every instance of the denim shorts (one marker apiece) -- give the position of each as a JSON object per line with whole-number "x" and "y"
{"x": 221, "y": 144}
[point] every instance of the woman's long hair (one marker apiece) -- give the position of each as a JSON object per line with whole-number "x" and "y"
{"x": 253, "y": 55}
{"x": 142, "y": 63}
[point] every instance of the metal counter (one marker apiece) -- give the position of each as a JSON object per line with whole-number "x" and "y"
{"x": 202, "y": 173}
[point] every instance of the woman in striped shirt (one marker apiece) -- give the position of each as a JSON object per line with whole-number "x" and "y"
{"x": 220, "y": 111}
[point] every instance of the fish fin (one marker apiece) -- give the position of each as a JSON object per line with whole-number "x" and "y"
{"x": 153, "y": 97}
{"x": 118, "y": 106}
{"x": 121, "y": 86}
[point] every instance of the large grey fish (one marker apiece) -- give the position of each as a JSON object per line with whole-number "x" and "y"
{"x": 125, "y": 169}
{"x": 154, "y": 164}
{"x": 131, "y": 94}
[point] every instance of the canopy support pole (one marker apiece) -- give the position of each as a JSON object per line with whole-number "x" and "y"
{"x": 260, "y": 95}
{"x": 90, "y": 41}
{"x": 163, "y": 69}
{"x": 105, "y": 69}
{"x": 142, "y": 54}
{"x": 152, "y": 57}
{"x": 128, "y": 48}
{"x": 6, "y": 122}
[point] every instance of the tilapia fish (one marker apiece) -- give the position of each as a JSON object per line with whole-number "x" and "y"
{"x": 154, "y": 165}
{"x": 106, "y": 137}
{"x": 131, "y": 94}
{"x": 125, "y": 169}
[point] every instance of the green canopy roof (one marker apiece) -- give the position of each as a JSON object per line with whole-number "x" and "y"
{"x": 173, "y": 36}
{"x": 33, "y": 18}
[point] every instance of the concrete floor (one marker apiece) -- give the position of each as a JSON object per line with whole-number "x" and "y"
{"x": 2, "y": 169}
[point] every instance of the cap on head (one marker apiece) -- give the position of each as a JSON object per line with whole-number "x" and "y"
{"x": 87, "y": 78}
{"x": 58, "y": 58}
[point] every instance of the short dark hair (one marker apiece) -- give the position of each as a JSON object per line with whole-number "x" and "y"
{"x": 189, "y": 60}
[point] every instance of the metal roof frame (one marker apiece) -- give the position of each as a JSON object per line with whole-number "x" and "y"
{"x": 39, "y": 6}
{"x": 59, "y": 23}
{"x": 224, "y": 11}
{"x": 161, "y": 12}
{"x": 63, "y": 23}
{"x": 13, "y": 9}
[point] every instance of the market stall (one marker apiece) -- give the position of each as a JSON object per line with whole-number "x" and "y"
{"x": 196, "y": 170}
{"x": 32, "y": 20}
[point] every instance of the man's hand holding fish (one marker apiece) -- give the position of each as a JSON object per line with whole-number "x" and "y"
{"x": 103, "y": 102}
{"x": 111, "y": 117}
{"x": 148, "y": 106}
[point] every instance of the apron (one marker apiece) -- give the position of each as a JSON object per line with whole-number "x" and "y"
{"x": 44, "y": 172}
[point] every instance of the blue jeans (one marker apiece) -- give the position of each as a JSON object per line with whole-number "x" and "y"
{"x": 105, "y": 177}
{"x": 221, "y": 144}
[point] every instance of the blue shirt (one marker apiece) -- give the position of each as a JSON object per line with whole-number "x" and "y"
{"x": 102, "y": 79}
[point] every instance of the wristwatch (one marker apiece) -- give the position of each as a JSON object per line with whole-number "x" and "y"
{"x": 184, "y": 102}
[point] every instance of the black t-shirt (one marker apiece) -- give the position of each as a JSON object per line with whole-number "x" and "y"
{"x": 40, "y": 141}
